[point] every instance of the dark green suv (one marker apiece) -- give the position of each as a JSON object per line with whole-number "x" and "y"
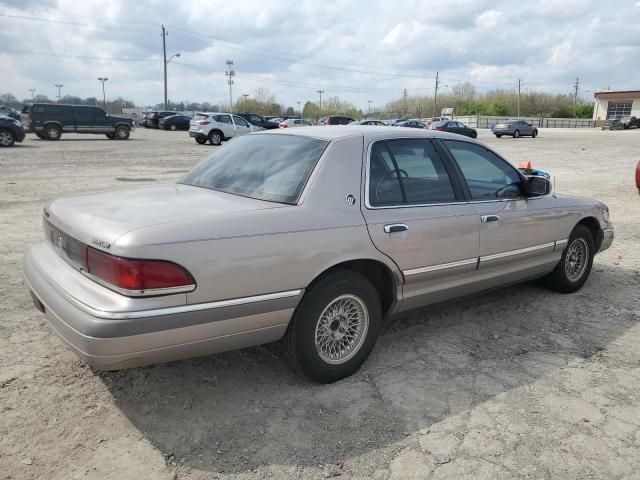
{"x": 50, "y": 120}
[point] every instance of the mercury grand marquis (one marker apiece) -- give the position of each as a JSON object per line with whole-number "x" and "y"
{"x": 306, "y": 236}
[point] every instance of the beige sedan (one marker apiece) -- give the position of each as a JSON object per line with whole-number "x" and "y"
{"x": 307, "y": 236}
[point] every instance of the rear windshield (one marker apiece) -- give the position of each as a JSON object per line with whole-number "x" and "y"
{"x": 200, "y": 116}
{"x": 274, "y": 168}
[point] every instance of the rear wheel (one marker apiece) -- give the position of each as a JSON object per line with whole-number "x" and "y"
{"x": 575, "y": 265}
{"x": 122, "y": 133}
{"x": 52, "y": 132}
{"x": 474, "y": 134}
{"x": 334, "y": 328}
{"x": 173, "y": 127}
{"x": 110, "y": 136}
{"x": 215, "y": 137}
{"x": 516, "y": 134}
{"x": 498, "y": 135}
{"x": 534, "y": 134}
{"x": 7, "y": 138}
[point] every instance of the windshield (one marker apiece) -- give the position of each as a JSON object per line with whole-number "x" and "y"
{"x": 265, "y": 167}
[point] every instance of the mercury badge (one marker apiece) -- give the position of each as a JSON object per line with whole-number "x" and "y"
{"x": 351, "y": 200}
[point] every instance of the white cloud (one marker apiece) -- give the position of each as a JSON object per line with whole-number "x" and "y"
{"x": 488, "y": 19}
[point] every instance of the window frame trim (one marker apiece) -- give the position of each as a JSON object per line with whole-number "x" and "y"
{"x": 456, "y": 184}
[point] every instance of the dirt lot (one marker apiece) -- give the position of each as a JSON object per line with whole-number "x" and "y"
{"x": 520, "y": 383}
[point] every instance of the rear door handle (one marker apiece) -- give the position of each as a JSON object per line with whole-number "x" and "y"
{"x": 395, "y": 227}
{"x": 489, "y": 218}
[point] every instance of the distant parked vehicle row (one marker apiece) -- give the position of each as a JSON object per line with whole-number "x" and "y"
{"x": 294, "y": 122}
{"x": 369, "y": 122}
{"x": 258, "y": 121}
{"x": 50, "y": 120}
{"x": 411, "y": 124}
{"x": 335, "y": 120}
{"x": 152, "y": 119}
{"x": 175, "y": 122}
{"x": 515, "y": 129}
{"x": 11, "y": 131}
{"x": 621, "y": 123}
{"x": 215, "y": 127}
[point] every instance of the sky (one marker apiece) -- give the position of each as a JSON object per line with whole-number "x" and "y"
{"x": 360, "y": 51}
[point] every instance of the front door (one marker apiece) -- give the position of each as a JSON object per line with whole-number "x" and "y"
{"x": 242, "y": 127}
{"x": 416, "y": 215}
{"x": 517, "y": 233}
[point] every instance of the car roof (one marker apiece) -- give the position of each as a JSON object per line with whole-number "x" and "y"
{"x": 369, "y": 132}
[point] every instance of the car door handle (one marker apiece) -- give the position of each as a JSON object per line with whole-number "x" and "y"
{"x": 489, "y": 218}
{"x": 395, "y": 227}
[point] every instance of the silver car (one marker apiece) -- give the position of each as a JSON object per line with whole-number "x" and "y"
{"x": 515, "y": 129}
{"x": 307, "y": 236}
{"x": 216, "y": 127}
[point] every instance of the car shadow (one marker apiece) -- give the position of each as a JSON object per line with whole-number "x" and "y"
{"x": 237, "y": 411}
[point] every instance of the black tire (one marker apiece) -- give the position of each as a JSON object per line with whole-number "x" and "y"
{"x": 110, "y": 136}
{"x": 534, "y": 134}
{"x": 559, "y": 280}
{"x": 52, "y": 132}
{"x": 7, "y": 137}
{"x": 215, "y": 137}
{"x": 201, "y": 140}
{"x": 498, "y": 135}
{"x": 474, "y": 135}
{"x": 299, "y": 343}
{"x": 122, "y": 133}
{"x": 39, "y": 135}
{"x": 516, "y": 134}
{"x": 173, "y": 127}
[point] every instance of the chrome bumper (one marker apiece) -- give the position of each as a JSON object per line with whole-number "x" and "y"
{"x": 607, "y": 239}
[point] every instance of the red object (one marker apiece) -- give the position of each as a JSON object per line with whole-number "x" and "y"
{"x": 638, "y": 175}
{"x": 525, "y": 164}
{"x": 133, "y": 274}
{"x": 439, "y": 128}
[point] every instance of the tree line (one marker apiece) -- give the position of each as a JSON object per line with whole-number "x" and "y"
{"x": 463, "y": 98}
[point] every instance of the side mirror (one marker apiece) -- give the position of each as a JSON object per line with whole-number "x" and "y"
{"x": 538, "y": 185}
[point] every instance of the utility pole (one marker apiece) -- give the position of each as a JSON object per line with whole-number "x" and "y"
{"x": 59, "y": 86}
{"x": 104, "y": 96}
{"x": 435, "y": 95}
{"x": 164, "y": 63}
{"x": 576, "y": 86}
{"x": 33, "y": 91}
{"x": 320, "y": 92}
{"x": 299, "y": 110}
{"x": 230, "y": 73}
{"x": 370, "y": 106}
{"x": 519, "y": 86}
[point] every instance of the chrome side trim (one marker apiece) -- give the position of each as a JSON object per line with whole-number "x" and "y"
{"x": 179, "y": 308}
{"x": 442, "y": 266}
{"x": 520, "y": 251}
{"x": 560, "y": 243}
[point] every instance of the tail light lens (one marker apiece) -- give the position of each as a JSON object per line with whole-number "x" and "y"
{"x": 439, "y": 128}
{"x": 283, "y": 125}
{"x": 138, "y": 276}
{"x": 201, "y": 122}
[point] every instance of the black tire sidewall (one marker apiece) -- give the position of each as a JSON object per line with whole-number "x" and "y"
{"x": 46, "y": 134}
{"x": 118, "y": 137}
{"x": 211, "y": 135}
{"x": 559, "y": 278}
{"x": 305, "y": 319}
{"x": 12, "y": 135}
{"x": 201, "y": 141}
{"x": 516, "y": 134}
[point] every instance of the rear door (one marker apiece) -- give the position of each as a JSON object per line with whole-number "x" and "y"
{"x": 417, "y": 215}
{"x": 516, "y": 232}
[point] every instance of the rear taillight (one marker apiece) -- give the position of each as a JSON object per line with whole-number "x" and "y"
{"x": 138, "y": 276}
{"x": 27, "y": 119}
{"x": 201, "y": 122}
{"x": 439, "y": 128}
{"x": 283, "y": 125}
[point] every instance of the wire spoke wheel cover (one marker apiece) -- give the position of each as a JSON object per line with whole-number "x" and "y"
{"x": 341, "y": 329}
{"x": 576, "y": 259}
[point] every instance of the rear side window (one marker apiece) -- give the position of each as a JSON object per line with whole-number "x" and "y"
{"x": 222, "y": 118}
{"x": 407, "y": 171}
{"x": 487, "y": 175}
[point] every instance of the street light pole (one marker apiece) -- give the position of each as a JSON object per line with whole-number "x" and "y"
{"x": 299, "y": 111}
{"x": 33, "y": 91}
{"x": 230, "y": 73}
{"x": 320, "y": 92}
{"x": 370, "y": 106}
{"x": 59, "y": 86}
{"x": 104, "y": 95}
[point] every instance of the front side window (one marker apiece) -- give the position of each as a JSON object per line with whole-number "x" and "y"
{"x": 274, "y": 168}
{"x": 240, "y": 121}
{"x": 487, "y": 175}
{"x": 407, "y": 171}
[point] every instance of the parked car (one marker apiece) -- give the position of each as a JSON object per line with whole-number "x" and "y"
{"x": 153, "y": 118}
{"x": 216, "y": 127}
{"x": 175, "y": 122}
{"x": 453, "y": 126}
{"x": 630, "y": 122}
{"x": 294, "y": 122}
{"x": 11, "y": 131}
{"x": 335, "y": 120}
{"x": 368, "y": 122}
{"x": 245, "y": 249}
{"x": 434, "y": 120}
{"x": 411, "y": 124}
{"x": 258, "y": 121}
{"x": 515, "y": 129}
{"x": 9, "y": 112}
{"x": 50, "y": 120}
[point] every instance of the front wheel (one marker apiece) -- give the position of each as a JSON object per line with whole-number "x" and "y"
{"x": 534, "y": 134}
{"x": 334, "y": 328}
{"x": 575, "y": 265}
{"x": 498, "y": 135}
{"x": 122, "y": 133}
{"x": 173, "y": 127}
{"x": 7, "y": 138}
{"x": 474, "y": 135}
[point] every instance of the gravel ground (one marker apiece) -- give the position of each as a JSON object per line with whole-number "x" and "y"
{"x": 519, "y": 383}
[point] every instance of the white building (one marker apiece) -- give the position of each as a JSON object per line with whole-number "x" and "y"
{"x": 616, "y": 105}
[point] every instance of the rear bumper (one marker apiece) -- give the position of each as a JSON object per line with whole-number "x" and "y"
{"x": 197, "y": 134}
{"x": 113, "y": 340}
